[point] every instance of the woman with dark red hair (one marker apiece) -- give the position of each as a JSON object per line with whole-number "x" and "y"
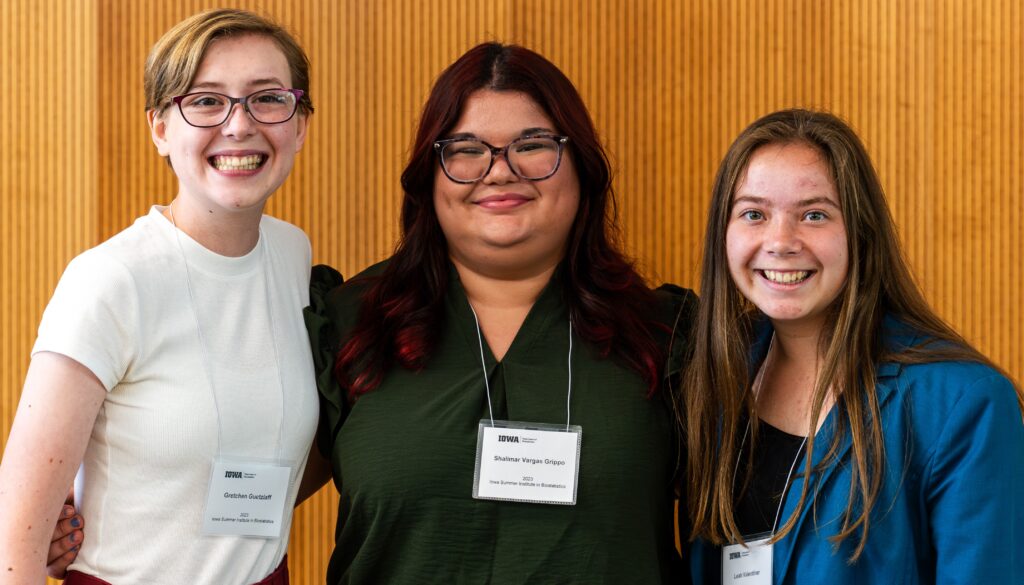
{"x": 459, "y": 377}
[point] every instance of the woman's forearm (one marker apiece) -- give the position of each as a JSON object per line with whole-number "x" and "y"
{"x": 51, "y": 429}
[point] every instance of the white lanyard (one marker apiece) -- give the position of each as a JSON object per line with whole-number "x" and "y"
{"x": 751, "y": 564}
{"x": 487, "y": 384}
{"x": 207, "y": 366}
{"x": 789, "y": 476}
{"x": 526, "y": 462}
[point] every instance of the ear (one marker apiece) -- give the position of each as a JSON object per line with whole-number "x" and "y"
{"x": 301, "y": 131}
{"x": 158, "y": 132}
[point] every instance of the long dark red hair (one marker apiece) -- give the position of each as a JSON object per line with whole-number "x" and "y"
{"x": 402, "y": 309}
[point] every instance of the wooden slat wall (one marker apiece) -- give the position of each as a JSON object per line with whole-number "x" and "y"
{"x": 935, "y": 87}
{"x": 48, "y": 167}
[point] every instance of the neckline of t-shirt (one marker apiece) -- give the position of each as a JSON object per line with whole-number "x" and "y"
{"x": 779, "y": 434}
{"x": 205, "y": 260}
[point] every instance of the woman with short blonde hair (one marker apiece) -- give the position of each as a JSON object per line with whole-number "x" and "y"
{"x": 173, "y": 357}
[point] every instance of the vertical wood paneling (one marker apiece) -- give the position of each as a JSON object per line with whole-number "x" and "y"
{"x": 47, "y": 167}
{"x": 934, "y": 87}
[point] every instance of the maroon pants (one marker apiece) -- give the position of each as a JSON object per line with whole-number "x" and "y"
{"x": 278, "y": 577}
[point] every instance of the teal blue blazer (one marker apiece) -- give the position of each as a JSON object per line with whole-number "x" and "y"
{"x": 952, "y": 503}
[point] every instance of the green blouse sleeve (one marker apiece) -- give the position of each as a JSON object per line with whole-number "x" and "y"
{"x": 324, "y": 342}
{"x": 680, "y": 311}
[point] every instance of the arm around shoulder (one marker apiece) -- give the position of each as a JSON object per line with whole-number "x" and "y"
{"x": 58, "y": 407}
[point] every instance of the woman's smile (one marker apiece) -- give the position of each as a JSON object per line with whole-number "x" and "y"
{"x": 501, "y": 218}
{"x": 503, "y": 201}
{"x": 786, "y": 241}
{"x": 785, "y": 278}
{"x": 238, "y": 164}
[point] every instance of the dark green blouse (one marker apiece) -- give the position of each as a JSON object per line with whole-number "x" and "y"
{"x": 403, "y": 456}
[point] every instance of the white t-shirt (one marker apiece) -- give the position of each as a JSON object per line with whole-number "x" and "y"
{"x": 123, "y": 310}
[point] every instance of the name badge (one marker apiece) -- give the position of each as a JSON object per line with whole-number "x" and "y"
{"x": 246, "y": 498}
{"x": 750, "y": 564}
{"x": 527, "y": 462}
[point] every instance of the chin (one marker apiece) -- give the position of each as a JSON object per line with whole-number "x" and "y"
{"x": 504, "y": 240}
{"x": 802, "y": 320}
{"x": 243, "y": 201}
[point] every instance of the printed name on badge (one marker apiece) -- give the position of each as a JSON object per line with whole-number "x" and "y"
{"x": 527, "y": 462}
{"x": 747, "y": 565}
{"x": 246, "y": 499}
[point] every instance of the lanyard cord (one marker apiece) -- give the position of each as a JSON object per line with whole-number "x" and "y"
{"x": 487, "y": 383}
{"x": 207, "y": 367}
{"x": 483, "y": 364}
{"x": 568, "y": 363}
{"x": 789, "y": 476}
{"x": 273, "y": 346}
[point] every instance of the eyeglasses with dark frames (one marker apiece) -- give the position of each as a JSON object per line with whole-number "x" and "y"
{"x": 207, "y": 109}
{"x": 532, "y": 158}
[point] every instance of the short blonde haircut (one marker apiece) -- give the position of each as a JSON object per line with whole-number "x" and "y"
{"x": 174, "y": 60}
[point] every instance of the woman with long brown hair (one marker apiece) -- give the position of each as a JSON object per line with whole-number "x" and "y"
{"x": 838, "y": 430}
{"x": 499, "y": 413}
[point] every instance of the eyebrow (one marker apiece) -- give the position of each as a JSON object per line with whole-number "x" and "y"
{"x": 253, "y": 83}
{"x": 538, "y": 130}
{"x": 820, "y": 200}
{"x": 525, "y": 132}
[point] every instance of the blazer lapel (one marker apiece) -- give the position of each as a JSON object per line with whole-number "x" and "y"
{"x": 886, "y": 378}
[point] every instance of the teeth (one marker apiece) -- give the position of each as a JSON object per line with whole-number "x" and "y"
{"x": 786, "y": 277}
{"x": 238, "y": 163}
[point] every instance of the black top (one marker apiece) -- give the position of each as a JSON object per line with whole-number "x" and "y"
{"x": 757, "y": 505}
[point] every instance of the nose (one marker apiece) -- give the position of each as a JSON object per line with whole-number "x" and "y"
{"x": 500, "y": 171}
{"x": 783, "y": 238}
{"x": 239, "y": 122}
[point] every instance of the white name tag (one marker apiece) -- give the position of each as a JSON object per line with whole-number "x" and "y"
{"x": 527, "y": 462}
{"x": 748, "y": 565}
{"x": 246, "y": 499}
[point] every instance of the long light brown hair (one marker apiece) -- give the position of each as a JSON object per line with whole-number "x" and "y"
{"x": 715, "y": 397}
